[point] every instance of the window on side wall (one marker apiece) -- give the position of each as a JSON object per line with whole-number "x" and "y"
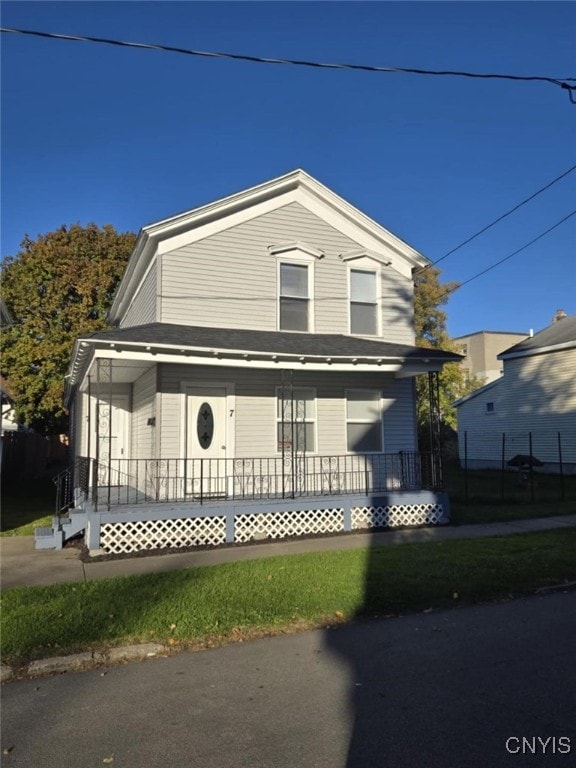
{"x": 363, "y": 302}
{"x": 296, "y": 420}
{"x": 363, "y": 421}
{"x": 294, "y": 290}
{"x": 490, "y": 407}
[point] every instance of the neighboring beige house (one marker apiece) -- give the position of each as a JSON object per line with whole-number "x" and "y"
{"x": 263, "y": 352}
{"x": 481, "y": 350}
{"x": 536, "y": 395}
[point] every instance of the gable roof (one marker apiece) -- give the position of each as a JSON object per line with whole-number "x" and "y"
{"x": 479, "y": 391}
{"x": 559, "y": 335}
{"x": 296, "y": 186}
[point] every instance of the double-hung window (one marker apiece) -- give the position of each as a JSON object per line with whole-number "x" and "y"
{"x": 296, "y": 419}
{"x": 294, "y": 314}
{"x": 363, "y": 302}
{"x": 363, "y": 421}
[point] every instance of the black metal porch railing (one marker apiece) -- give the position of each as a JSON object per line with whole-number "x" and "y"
{"x": 133, "y": 481}
{"x": 72, "y": 484}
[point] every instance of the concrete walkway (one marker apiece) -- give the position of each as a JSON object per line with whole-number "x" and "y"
{"x": 21, "y": 565}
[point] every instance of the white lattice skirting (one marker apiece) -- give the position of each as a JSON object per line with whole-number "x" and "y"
{"x": 135, "y": 535}
{"x": 396, "y": 515}
{"x": 281, "y": 524}
{"x": 160, "y": 534}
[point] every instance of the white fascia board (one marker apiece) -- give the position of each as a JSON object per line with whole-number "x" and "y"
{"x": 186, "y": 228}
{"x": 168, "y": 234}
{"x": 363, "y": 230}
{"x": 247, "y": 360}
{"x": 479, "y": 391}
{"x": 537, "y": 351}
{"x": 416, "y": 368}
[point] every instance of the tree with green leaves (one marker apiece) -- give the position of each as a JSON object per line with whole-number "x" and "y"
{"x": 56, "y": 287}
{"x": 430, "y": 295}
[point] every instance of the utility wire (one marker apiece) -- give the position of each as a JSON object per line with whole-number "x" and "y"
{"x": 519, "y": 250}
{"x": 500, "y": 218}
{"x": 347, "y": 298}
{"x": 562, "y": 82}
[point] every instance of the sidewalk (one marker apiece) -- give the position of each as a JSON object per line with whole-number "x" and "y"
{"x": 23, "y": 566}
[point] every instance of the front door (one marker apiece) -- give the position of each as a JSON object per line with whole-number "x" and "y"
{"x": 206, "y": 434}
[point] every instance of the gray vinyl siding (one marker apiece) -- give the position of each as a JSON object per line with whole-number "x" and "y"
{"x": 143, "y": 308}
{"x": 255, "y": 408}
{"x": 230, "y": 279}
{"x": 143, "y": 409}
{"x": 537, "y": 395}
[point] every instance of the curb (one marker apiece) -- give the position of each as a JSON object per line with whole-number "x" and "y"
{"x": 78, "y": 661}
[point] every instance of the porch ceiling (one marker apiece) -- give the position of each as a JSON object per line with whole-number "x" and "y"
{"x": 123, "y": 371}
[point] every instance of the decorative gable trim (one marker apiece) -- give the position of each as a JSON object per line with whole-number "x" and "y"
{"x": 364, "y": 253}
{"x": 297, "y": 186}
{"x": 290, "y": 249}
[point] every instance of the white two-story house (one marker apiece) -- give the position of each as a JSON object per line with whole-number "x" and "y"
{"x": 258, "y": 374}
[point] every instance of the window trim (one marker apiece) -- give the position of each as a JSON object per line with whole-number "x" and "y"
{"x": 297, "y": 259}
{"x": 380, "y": 400}
{"x": 313, "y": 420}
{"x": 373, "y": 267}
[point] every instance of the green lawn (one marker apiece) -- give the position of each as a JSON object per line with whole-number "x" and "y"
{"x": 31, "y": 503}
{"x": 217, "y": 604}
{"x": 485, "y": 502}
{"x": 26, "y": 505}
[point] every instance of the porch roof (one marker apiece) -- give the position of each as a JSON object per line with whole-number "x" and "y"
{"x": 234, "y": 346}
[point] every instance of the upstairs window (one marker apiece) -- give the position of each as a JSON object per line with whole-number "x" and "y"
{"x": 294, "y": 297}
{"x": 363, "y": 303}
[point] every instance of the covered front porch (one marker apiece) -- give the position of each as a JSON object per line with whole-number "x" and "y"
{"x": 197, "y": 421}
{"x": 131, "y": 505}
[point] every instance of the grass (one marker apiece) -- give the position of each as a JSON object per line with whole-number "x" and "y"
{"x": 31, "y": 503}
{"x": 26, "y": 505}
{"x": 492, "y": 497}
{"x": 217, "y": 604}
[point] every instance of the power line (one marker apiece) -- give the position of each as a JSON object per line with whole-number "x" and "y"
{"x": 500, "y": 218}
{"x": 519, "y": 250}
{"x": 347, "y": 298}
{"x": 562, "y": 82}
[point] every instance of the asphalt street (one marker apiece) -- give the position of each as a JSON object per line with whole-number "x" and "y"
{"x": 491, "y": 685}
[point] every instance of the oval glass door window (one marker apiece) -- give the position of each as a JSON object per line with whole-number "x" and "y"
{"x": 205, "y": 426}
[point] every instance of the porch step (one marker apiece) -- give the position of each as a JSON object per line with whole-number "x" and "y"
{"x": 46, "y": 537}
{"x": 73, "y": 524}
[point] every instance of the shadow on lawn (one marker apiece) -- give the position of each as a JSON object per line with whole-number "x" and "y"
{"x": 25, "y": 502}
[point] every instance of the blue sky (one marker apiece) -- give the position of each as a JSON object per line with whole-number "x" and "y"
{"x": 111, "y": 135}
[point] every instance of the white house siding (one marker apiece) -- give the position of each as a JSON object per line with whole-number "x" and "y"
{"x": 144, "y": 409}
{"x": 255, "y": 408}
{"x": 143, "y": 308}
{"x": 537, "y": 394}
{"x": 229, "y": 280}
